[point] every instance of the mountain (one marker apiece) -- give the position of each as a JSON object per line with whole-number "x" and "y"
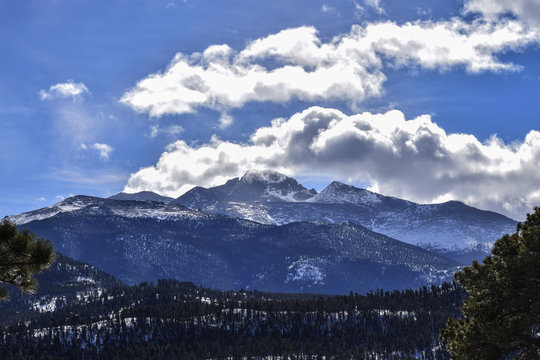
{"x": 142, "y": 196}
{"x": 452, "y": 229}
{"x": 138, "y": 240}
{"x": 340, "y": 193}
{"x": 66, "y": 282}
{"x": 254, "y": 186}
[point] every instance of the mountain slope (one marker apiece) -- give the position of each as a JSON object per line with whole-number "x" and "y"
{"x": 142, "y": 196}
{"x": 137, "y": 241}
{"x": 174, "y": 320}
{"x": 452, "y": 228}
{"x": 340, "y": 193}
{"x": 66, "y": 282}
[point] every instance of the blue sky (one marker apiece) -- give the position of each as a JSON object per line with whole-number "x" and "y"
{"x": 81, "y": 112}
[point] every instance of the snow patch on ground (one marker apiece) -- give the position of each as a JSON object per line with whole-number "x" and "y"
{"x": 45, "y": 305}
{"x": 159, "y": 212}
{"x": 85, "y": 279}
{"x": 305, "y": 270}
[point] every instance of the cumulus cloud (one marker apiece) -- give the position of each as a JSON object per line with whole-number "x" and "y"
{"x": 68, "y": 89}
{"x": 103, "y": 150}
{"x": 297, "y": 64}
{"x": 415, "y": 159}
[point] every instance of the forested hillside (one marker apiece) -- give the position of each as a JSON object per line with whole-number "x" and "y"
{"x": 66, "y": 281}
{"x": 173, "y": 319}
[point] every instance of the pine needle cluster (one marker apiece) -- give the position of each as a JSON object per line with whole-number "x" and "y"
{"x": 22, "y": 255}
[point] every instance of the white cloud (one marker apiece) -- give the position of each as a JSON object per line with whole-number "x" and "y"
{"x": 414, "y": 159}
{"x": 420, "y": 11}
{"x": 329, "y": 9}
{"x": 375, "y": 5}
{"x": 60, "y": 197}
{"x": 172, "y": 130}
{"x": 225, "y": 120}
{"x": 527, "y": 11}
{"x": 154, "y": 131}
{"x": 68, "y": 89}
{"x": 103, "y": 150}
{"x": 41, "y": 199}
{"x": 219, "y": 78}
{"x": 350, "y": 67}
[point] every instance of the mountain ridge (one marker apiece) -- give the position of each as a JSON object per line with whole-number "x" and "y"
{"x": 253, "y": 186}
{"x": 144, "y": 241}
{"x": 141, "y": 196}
{"x": 452, "y": 228}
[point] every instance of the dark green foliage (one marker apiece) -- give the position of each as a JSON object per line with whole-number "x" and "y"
{"x": 175, "y": 320}
{"x": 22, "y": 256}
{"x": 61, "y": 284}
{"x": 501, "y": 319}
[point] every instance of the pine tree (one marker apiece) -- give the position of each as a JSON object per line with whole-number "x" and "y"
{"x": 22, "y": 256}
{"x": 501, "y": 318}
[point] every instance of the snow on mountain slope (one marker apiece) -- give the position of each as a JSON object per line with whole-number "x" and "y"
{"x": 446, "y": 228}
{"x": 254, "y": 186}
{"x": 452, "y": 228}
{"x": 70, "y": 204}
{"x": 126, "y": 208}
{"x": 139, "y": 240}
{"x": 340, "y": 193}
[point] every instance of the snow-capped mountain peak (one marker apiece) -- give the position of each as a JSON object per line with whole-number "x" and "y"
{"x": 340, "y": 193}
{"x": 264, "y": 176}
{"x": 267, "y": 185}
{"x": 253, "y": 186}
